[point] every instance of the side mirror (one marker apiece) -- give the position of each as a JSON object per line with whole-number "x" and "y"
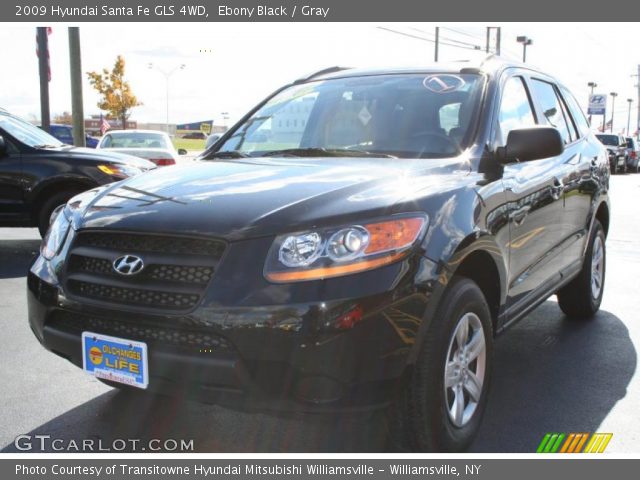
{"x": 525, "y": 144}
{"x": 182, "y": 151}
{"x": 3, "y": 147}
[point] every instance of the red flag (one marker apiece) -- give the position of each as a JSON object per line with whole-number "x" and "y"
{"x": 104, "y": 125}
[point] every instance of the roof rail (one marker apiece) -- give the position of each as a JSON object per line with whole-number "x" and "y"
{"x": 324, "y": 71}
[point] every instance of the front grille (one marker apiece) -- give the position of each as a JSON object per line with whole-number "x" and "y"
{"x": 143, "y": 331}
{"x": 176, "y": 269}
{"x": 133, "y": 296}
{"x": 171, "y": 273}
{"x": 151, "y": 243}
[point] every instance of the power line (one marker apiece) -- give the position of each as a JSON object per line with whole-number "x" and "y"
{"x": 462, "y": 32}
{"x": 426, "y": 39}
{"x": 474, "y": 45}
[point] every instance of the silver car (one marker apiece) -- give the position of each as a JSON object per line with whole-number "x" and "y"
{"x": 149, "y": 144}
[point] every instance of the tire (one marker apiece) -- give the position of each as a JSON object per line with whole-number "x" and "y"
{"x": 422, "y": 417}
{"x": 49, "y": 205}
{"x": 581, "y": 298}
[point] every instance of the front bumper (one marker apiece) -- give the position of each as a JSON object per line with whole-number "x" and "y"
{"x": 288, "y": 357}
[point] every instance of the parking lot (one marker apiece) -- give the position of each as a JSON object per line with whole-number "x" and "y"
{"x": 551, "y": 375}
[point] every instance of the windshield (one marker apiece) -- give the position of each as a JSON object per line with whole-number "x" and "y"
{"x": 408, "y": 116}
{"x": 611, "y": 140}
{"x": 27, "y": 133}
{"x": 134, "y": 140}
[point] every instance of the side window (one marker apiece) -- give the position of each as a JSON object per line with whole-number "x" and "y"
{"x": 576, "y": 112}
{"x": 515, "y": 108}
{"x": 106, "y": 142}
{"x": 449, "y": 115}
{"x": 545, "y": 95}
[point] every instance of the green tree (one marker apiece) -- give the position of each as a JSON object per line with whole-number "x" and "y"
{"x": 117, "y": 97}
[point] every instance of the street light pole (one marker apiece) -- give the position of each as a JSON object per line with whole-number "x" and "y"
{"x": 524, "y": 40}
{"x": 613, "y": 108}
{"x": 592, "y": 85}
{"x": 629, "y": 101}
{"x": 167, "y": 75}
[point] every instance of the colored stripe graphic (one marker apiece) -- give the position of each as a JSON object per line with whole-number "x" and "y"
{"x": 574, "y": 442}
{"x": 550, "y": 443}
{"x": 598, "y": 443}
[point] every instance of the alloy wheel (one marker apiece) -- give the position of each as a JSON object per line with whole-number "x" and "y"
{"x": 464, "y": 371}
{"x": 597, "y": 267}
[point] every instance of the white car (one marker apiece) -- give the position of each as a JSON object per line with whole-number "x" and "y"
{"x": 149, "y": 144}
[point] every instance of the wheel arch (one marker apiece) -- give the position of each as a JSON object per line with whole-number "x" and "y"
{"x": 479, "y": 258}
{"x": 46, "y": 189}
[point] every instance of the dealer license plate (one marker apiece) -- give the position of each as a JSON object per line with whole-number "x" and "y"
{"x": 116, "y": 359}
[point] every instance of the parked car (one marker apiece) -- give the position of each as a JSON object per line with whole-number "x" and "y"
{"x": 616, "y": 146}
{"x": 64, "y": 133}
{"x": 195, "y": 136}
{"x": 211, "y": 139}
{"x": 38, "y": 172}
{"x": 363, "y": 259}
{"x": 149, "y": 144}
{"x": 633, "y": 155}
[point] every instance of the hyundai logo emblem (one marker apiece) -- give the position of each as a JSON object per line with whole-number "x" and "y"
{"x": 128, "y": 265}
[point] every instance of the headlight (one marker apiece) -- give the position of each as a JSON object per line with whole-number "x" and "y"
{"x": 56, "y": 234}
{"x": 119, "y": 170}
{"x": 333, "y": 252}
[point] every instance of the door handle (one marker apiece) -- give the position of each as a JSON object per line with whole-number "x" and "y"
{"x": 519, "y": 215}
{"x": 557, "y": 189}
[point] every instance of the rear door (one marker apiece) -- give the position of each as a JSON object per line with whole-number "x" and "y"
{"x": 535, "y": 204}
{"x": 583, "y": 182}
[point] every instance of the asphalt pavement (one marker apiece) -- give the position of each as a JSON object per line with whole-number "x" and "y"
{"x": 551, "y": 374}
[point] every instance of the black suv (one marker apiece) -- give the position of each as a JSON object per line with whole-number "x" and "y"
{"x": 617, "y": 150}
{"x": 355, "y": 241}
{"x": 38, "y": 173}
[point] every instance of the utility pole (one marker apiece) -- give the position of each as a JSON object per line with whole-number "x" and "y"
{"x": 498, "y": 31}
{"x": 629, "y": 101}
{"x": 638, "y": 85}
{"x": 525, "y": 41}
{"x": 75, "y": 65}
{"x": 167, "y": 74}
{"x": 42, "y": 40}
{"x": 613, "y": 108}
{"x": 437, "y": 45}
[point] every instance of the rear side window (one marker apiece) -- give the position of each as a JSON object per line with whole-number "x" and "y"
{"x": 515, "y": 108}
{"x": 576, "y": 112}
{"x": 553, "y": 115}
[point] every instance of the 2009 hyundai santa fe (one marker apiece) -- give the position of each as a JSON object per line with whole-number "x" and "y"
{"x": 354, "y": 242}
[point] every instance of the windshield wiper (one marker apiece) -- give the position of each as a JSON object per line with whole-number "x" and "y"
{"x": 229, "y": 154}
{"x": 324, "y": 152}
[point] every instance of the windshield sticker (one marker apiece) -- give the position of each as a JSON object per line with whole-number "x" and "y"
{"x": 364, "y": 115}
{"x": 443, "y": 83}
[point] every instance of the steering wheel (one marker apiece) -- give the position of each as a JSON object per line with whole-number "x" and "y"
{"x": 439, "y": 139}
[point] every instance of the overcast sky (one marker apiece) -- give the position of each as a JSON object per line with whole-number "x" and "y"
{"x": 230, "y": 67}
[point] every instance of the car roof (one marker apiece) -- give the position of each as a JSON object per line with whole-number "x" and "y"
{"x": 137, "y": 131}
{"x": 491, "y": 65}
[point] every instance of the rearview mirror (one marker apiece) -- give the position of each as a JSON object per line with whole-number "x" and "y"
{"x": 525, "y": 144}
{"x": 182, "y": 151}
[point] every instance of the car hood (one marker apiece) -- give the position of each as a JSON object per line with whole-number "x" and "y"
{"x": 242, "y": 198}
{"x": 90, "y": 154}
